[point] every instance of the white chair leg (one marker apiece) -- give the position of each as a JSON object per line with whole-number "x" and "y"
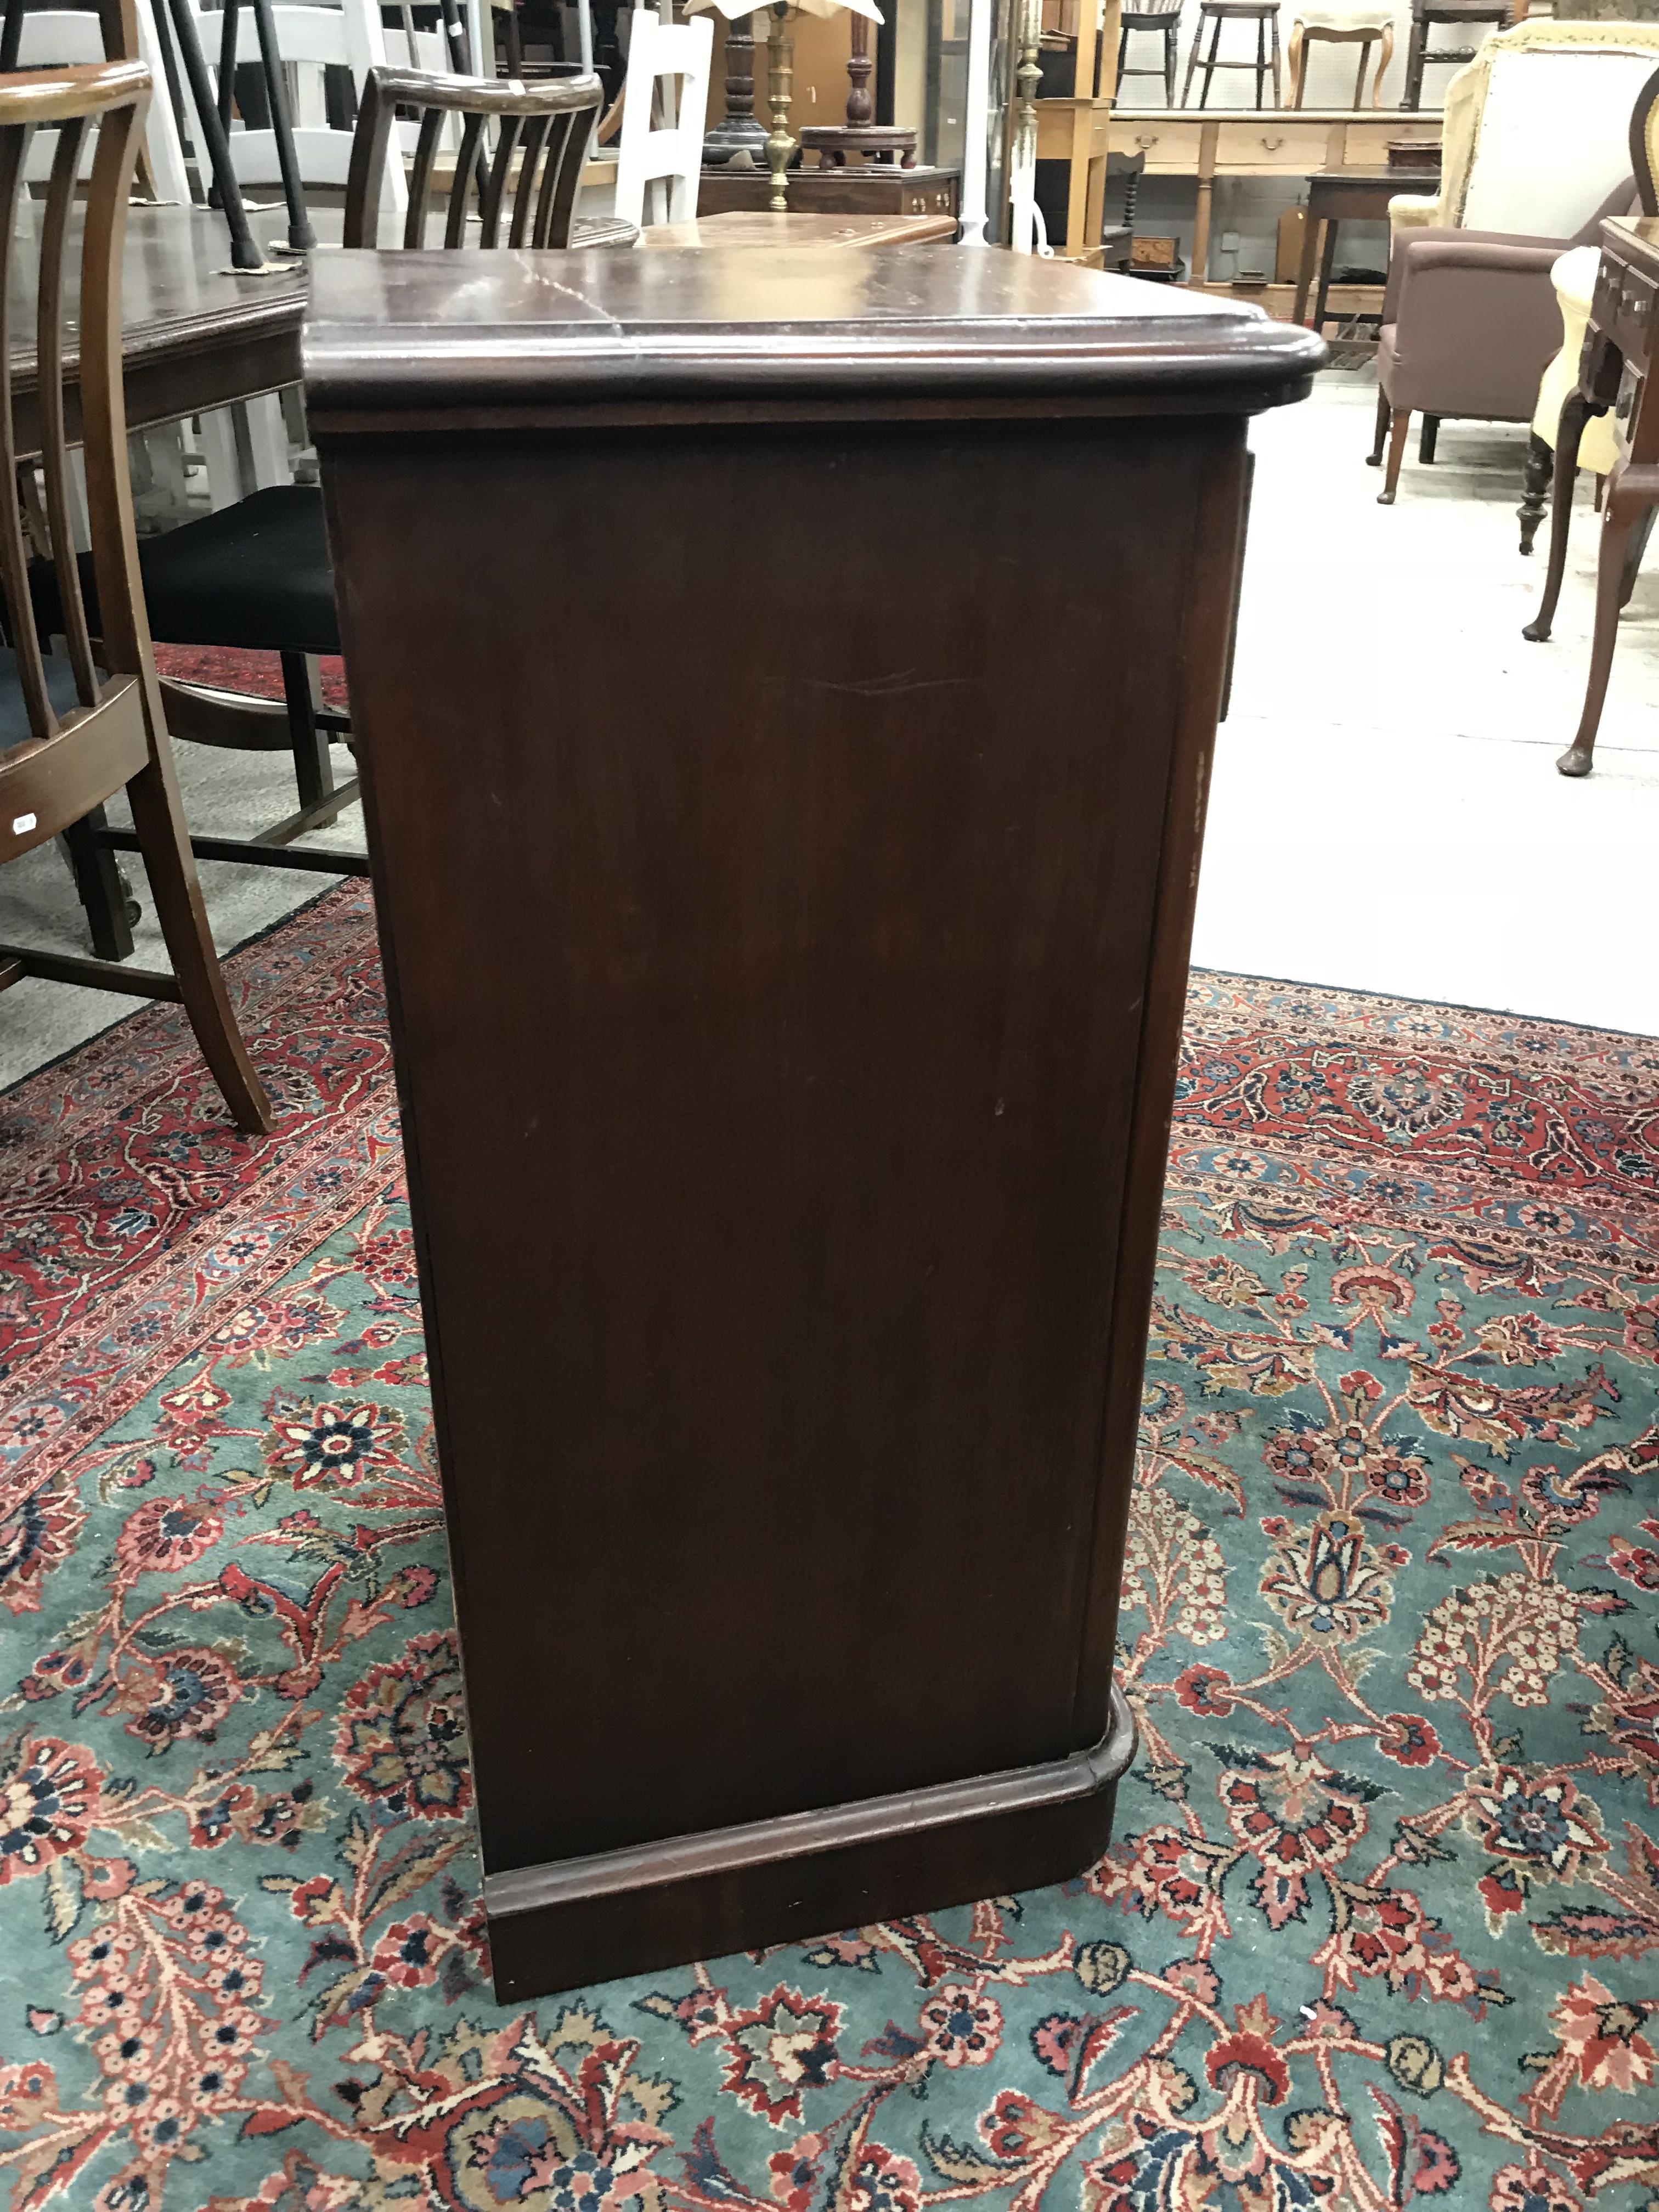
{"x": 215, "y": 440}
{"x": 262, "y": 441}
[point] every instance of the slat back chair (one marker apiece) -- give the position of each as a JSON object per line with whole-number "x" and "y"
{"x": 542, "y": 130}
{"x": 74, "y": 729}
{"x": 47, "y": 38}
{"x": 256, "y": 576}
{"x": 669, "y": 158}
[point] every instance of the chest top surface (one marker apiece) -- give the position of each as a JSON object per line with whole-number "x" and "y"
{"x": 399, "y": 332}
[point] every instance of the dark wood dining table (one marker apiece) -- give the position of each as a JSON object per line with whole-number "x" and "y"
{"x": 196, "y": 333}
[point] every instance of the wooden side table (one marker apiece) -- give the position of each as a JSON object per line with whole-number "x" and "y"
{"x": 1618, "y": 351}
{"x": 787, "y": 995}
{"x": 1339, "y": 196}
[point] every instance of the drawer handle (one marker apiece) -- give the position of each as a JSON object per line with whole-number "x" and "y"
{"x": 1147, "y": 139}
{"x": 1271, "y": 145}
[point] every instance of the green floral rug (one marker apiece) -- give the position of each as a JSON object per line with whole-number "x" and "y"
{"x": 1382, "y": 1919}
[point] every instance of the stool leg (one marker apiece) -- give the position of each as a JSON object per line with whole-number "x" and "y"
{"x": 1359, "y": 81}
{"x": 1279, "y": 81}
{"x": 1122, "y": 50}
{"x": 1216, "y": 22}
{"x": 1261, "y": 55}
{"x": 1170, "y": 65}
{"x": 1414, "y": 65}
{"x": 1192, "y": 62}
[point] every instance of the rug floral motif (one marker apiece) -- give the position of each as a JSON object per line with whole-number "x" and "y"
{"x": 1382, "y": 1920}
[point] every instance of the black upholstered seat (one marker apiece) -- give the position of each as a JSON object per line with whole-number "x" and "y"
{"x": 256, "y": 575}
{"x": 14, "y": 728}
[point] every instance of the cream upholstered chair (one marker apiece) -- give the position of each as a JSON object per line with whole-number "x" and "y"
{"x": 1535, "y": 152}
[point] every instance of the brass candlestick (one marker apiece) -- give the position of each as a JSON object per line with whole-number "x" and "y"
{"x": 779, "y": 90}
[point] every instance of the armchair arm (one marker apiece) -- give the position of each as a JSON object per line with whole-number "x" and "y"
{"x": 1474, "y": 320}
{"x": 1408, "y": 210}
{"x": 1500, "y": 253}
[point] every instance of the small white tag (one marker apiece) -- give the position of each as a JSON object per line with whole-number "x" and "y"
{"x": 22, "y": 823}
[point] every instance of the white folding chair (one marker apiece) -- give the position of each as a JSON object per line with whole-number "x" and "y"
{"x": 672, "y": 156}
{"x": 75, "y": 34}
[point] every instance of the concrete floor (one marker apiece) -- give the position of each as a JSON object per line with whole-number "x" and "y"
{"x": 1385, "y": 813}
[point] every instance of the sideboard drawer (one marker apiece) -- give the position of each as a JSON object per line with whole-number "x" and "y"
{"x": 1630, "y": 299}
{"x": 1171, "y": 149}
{"x": 1296, "y": 149}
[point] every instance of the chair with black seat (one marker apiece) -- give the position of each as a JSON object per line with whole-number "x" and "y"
{"x": 256, "y": 576}
{"x": 77, "y": 727}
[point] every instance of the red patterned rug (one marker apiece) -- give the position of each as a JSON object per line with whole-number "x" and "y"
{"x": 260, "y": 674}
{"x": 1382, "y": 1921}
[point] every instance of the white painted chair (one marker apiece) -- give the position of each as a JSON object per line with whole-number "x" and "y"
{"x": 670, "y": 157}
{"x": 74, "y": 34}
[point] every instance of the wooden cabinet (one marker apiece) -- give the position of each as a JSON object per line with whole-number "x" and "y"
{"x": 876, "y": 189}
{"x": 786, "y": 988}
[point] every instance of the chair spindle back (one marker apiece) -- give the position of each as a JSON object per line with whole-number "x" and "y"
{"x": 546, "y": 126}
{"x": 113, "y": 98}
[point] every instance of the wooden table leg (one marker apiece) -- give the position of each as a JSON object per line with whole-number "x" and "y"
{"x": 1574, "y": 413}
{"x": 1305, "y": 275}
{"x": 1095, "y": 205}
{"x": 1201, "y": 229}
{"x": 1327, "y": 264}
{"x": 1627, "y": 508}
{"x": 1078, "y": 238}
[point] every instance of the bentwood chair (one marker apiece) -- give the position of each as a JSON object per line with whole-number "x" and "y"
{"x": 256, "y": 576}
{"x": 74, "y": 732}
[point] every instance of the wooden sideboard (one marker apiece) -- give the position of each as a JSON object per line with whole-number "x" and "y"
{"x": 873, "y": 188}
{"x": 786, "y": 1020}
{"x": 1257, "y": 142}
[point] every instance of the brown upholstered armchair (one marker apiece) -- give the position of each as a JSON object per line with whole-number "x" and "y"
{"x": 1535, "y": 153}
{"x": 1470, "y": 322}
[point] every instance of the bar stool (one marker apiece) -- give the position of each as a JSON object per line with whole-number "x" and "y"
{"x": 1465, "y": 15}
{"x": 1165, "y": 20}
{"x": 1215, "y": 13}
{"x": 1342, "y": 26}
